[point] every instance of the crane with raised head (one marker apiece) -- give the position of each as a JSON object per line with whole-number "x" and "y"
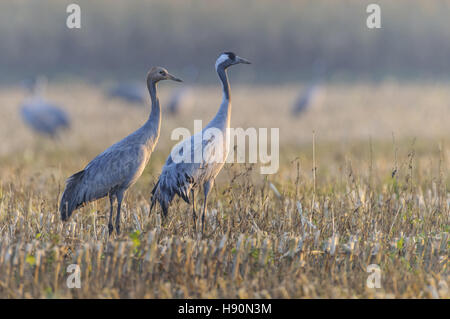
{"x": 116, "y": 169}
{"x": 313, "y": 93}
{"x": 180, "y": 101}
{"x": 196, "y": 161}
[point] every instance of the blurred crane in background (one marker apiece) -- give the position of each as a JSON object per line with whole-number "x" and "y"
{"x": 39, "y": 114}
{"x": 314, "y": 92}
{"x": 182, "y": 100}
{"x": 130, "y": 92}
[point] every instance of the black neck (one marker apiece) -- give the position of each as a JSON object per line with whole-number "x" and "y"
{"x": 225, "y": 85}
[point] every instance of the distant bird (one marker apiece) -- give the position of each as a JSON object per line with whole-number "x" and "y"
{"x": 183, "y": 175}
{"x": 180, "y": 101}
{"x": 118, "y": 167}
{"x": 130, "y": 92}
{"x": 312, "y": 93}
{"x": 41, "y": 116}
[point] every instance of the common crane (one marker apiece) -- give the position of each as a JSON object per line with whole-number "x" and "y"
{"x": 180, "y": 101}
{"x": 313, "y": 92}
{"x": 42, "y": 116}
{"x": 112, "y": 172}
{"x": 184, "y": 171}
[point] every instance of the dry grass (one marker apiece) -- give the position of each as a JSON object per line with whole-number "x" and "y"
{"x": 257, "y": 244}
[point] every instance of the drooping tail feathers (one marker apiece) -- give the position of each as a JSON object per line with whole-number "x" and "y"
{"x": 70, "y": 199}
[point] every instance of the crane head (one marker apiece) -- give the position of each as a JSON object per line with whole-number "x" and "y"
{"x": 158, "y": 73}
{"x": 228, "y": 59}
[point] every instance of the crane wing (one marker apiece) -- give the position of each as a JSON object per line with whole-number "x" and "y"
{"x": 114, "y": 169}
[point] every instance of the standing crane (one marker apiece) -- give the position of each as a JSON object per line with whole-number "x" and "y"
{"x": 181, "y": 176}
{"x": 41, "y": 116}
{"x": 119, "y": 166}
{"x": 313, "y": 93}
{"x": 180, "y": 101}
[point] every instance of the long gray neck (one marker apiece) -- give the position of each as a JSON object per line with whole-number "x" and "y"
{"x": 153, "y": 124}
{"x": 222, "y": 118}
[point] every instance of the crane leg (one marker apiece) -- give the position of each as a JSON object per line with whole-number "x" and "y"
{"x": 111, "y": 204}
{"x": 194, "y": 215}
{"x": 119, "y": 205}
{"x": 206, "y": 188}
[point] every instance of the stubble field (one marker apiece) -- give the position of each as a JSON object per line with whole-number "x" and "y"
{"x": 379, "y": 195}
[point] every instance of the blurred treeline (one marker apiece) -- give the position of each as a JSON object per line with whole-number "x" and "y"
{"x": 122, "y": 38}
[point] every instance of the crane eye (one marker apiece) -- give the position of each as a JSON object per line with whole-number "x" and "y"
{"x": 162, "y": 72}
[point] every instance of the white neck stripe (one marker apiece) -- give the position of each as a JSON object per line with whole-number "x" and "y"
{"x": 222, "y": 58}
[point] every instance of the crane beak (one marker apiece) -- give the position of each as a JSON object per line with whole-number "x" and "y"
{"x": 242, "y": 60}
{"x": 173, "y": 78}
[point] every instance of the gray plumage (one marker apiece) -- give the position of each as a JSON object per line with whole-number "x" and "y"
{"x": 182, "y": 177}
{"x": 112, "y": 172}
{"x": 40, "y": 115}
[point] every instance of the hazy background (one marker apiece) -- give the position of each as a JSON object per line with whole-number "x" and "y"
{"x": 121, "y": 39}
{"x": 375, "y": 182}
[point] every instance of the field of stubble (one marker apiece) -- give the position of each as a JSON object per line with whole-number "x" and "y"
{"x": 380, "y": 196}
